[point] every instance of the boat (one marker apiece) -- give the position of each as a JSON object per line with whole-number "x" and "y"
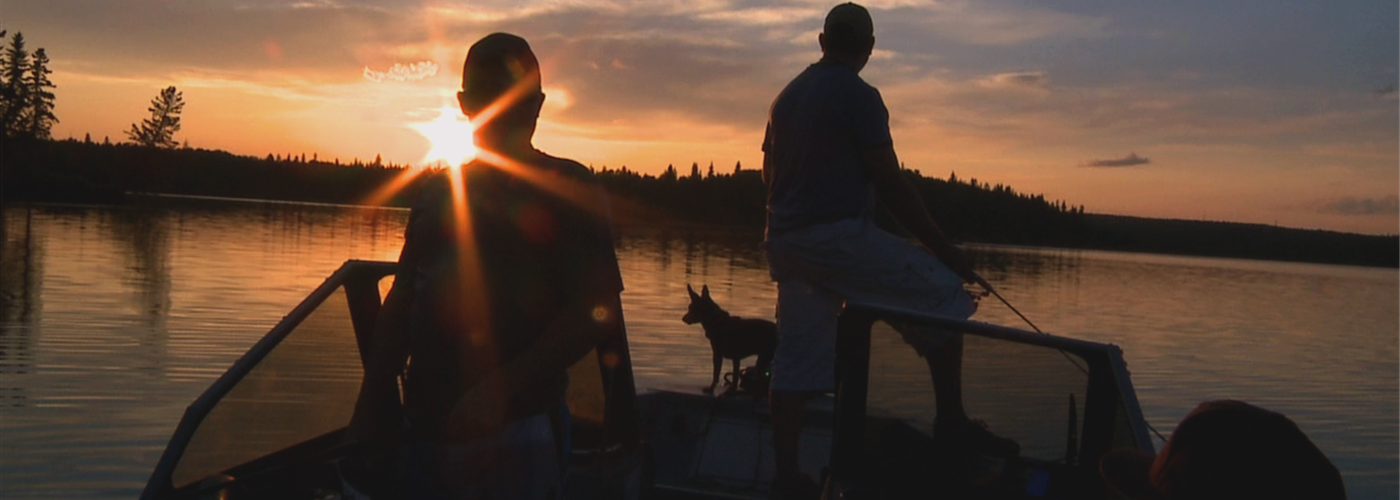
{"x": 271, "y": 426}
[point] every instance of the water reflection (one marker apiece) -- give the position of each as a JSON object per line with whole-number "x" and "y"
{"x": 146, "y": 245}
{"x": 113, "y": 319}
{"x": 21, "y": 269}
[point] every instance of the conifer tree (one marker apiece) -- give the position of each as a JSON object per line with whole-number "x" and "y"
{"x": 39, "y": 117}
{"x": 4, "y": 82}
{"x": 13, "y": 101}
{"x": 159, "y": 130}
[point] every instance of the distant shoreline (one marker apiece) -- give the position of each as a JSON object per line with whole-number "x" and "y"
{"x": 261, "y": 201}
{"x": 968, "y": 210}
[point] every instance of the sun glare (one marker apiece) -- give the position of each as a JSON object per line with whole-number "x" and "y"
{"x": 451, "y": 136}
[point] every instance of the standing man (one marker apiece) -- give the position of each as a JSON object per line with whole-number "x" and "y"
{"x": 827, "y": 154}
{"x": 507, "y": 277}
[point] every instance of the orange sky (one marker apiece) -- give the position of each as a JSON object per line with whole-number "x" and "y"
{"x": 1276, "y": 112}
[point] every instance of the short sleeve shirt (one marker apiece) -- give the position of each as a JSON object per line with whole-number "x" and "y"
{"x": 818, "y": 128}
{"x": 488, "y": 285}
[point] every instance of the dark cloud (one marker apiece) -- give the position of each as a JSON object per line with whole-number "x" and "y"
{"x": 1025, "y": 78}
{"x": 1387, "y": 92}
{"x": 1132, "y": 160}
{"x": 1387, "y": 205}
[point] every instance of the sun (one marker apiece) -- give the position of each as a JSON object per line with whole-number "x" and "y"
{"x": 451, "y": 136}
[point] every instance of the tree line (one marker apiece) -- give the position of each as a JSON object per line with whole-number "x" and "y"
{"x": 966, "y": 210}
{"x": 972, "y": 211}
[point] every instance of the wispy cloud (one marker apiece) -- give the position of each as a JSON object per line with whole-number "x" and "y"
{"x": 403, "y": 72}
{"x": 1016, "y": 80}
{"x": 1385, "y": 205}
{"x": 1132, "y": 160}
{"x": 765, "y": 16}
{"x": 1005, "y": 24}
{"x": 1388, "y": 92}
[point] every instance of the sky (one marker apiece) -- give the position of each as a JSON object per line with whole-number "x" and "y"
{"x": 1263, "y": 111}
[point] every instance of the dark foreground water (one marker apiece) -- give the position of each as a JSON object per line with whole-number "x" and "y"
{"x": 113, "y": 319}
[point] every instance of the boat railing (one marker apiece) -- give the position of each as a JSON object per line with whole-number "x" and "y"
{"x": 1065, "y": 401}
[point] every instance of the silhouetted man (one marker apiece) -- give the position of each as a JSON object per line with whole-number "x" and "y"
{"x": 827, "y": 153}
{"x": 507, "y": 277}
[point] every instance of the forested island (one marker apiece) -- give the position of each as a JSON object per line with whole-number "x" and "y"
{"x": 74, "y": 171}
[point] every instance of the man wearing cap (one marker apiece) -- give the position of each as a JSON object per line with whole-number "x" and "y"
{"x": 827, "y": 154}
{"x": 1227, "y": 450}
{"x": 507, "y": 277}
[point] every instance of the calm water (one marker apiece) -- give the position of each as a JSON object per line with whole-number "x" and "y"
{"x": 114, "y": 319}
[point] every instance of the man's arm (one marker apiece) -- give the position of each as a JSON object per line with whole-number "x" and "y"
{"x": 904, "y": 203}
{"x": 767, "y": 170}
{"x": 767, "y": 160}
{"x": 569, "y": 336}
{"x": 378, "y": 410}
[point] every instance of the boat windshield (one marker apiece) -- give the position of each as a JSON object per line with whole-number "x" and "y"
{"x": 1030, "y": 394}
{"x": 281, "y": 409}
{"x": 1064, "y": 401}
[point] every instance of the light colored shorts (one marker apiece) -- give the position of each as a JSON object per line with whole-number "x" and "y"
{"x": 820, "y": 268}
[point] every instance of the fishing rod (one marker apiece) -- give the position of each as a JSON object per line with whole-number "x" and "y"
{"x": 988, "y": 287}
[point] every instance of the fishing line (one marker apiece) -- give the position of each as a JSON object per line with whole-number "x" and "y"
{"x": 988, "y": 287}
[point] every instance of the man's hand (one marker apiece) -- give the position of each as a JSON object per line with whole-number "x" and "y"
{"x": 956, "y": 260}
{"x": 479, "y": 412}
{"x": 904, "y": 203}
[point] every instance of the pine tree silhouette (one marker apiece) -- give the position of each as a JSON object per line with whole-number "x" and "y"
{"x": 38, "y": 115}
{"x": 13, "y": 98}
{"x": 159, "y": 130}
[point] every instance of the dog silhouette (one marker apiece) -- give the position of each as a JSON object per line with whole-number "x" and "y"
{"x": 731, "y": 337}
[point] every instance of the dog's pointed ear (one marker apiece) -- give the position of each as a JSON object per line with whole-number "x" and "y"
{"x": 691, "y": 291}
{"x": 705, "y": 291}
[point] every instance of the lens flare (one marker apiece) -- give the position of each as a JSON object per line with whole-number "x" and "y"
{"x": 451, "y": 137}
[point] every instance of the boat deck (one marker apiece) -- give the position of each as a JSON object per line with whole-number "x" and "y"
{"x": 721, "y": 446}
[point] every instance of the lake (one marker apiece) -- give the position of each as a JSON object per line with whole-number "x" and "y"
{"x": 113, "y": 319}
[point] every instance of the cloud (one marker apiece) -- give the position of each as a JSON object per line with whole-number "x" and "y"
{"x": 1131, "y": 160}
{"x": 1388, "y": 92}
{"x": 990, "y": 23}
{"x": 403, "y": 73}
{"x": 1016, "y": 80}
{"x": 767, "y": 16}
{"x": 1386, "y": 205}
